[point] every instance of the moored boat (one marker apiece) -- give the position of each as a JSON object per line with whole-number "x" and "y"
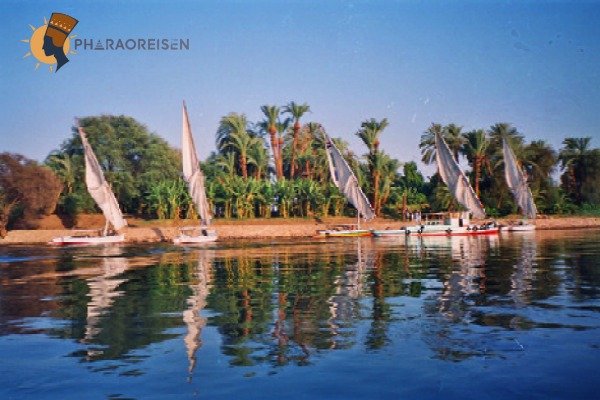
{"x": 449, "y": 223}
{"x": 344, "y": 230}
{"x": 87, "y": 238}
{"x": 100, "y": 191}
{"x": 346, "y": 181}
{"x": 194, "y": 178}
{"x": 522, "y": 226}
{"x": 517, "y": 183}
{"x": 442, "y": 224}
{"x": 187, "y": 236}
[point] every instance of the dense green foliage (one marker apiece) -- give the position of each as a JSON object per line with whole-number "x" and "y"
{"x": 134, "y": 161}
{"x": 277, "y": 167}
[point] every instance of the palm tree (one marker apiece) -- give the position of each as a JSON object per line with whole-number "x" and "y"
{"x": 389, "y": 175}
{"x": 475, "y": 148}
{"x": 258, "y": 157}
{"x": 454, "y": 139}
{"x": 370, "y": 131}
{"x": 226, "y": 163}
{"x": 369, "y": 134}
{"x": 539, "y": 162}
{"x": 233, "y": 135}
{"x": 571, "y": 159}
{"x": 496, "y": 193}
{"x": 504, "y": 130}
{"x": 272, "y": 116}
{"x": 296, "y": 111}
{"x": 312, "y": 145}
{"x": 427, "y": 144}
{"x": 282, "y": 127}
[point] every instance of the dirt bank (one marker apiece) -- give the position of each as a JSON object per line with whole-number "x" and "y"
{"x": 155, "y": 231}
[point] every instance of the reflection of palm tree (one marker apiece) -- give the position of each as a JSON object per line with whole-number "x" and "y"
{"x": 380, "y": 313}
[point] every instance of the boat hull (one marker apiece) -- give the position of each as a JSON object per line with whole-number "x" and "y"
{"x": 521, "y": 228}
{"x": 438, "y": 232}
{"x": 184, "y": 239}
{"x": 345, "y": 233}
{"x": 86, "y": 240}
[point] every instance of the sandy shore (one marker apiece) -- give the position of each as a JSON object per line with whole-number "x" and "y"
{"x": 155, "y": 231}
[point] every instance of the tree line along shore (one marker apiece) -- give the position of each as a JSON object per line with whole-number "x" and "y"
{"x": 277, "y": 168}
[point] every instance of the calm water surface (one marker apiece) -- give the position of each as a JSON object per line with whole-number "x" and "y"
{"x": 515, "y": 316}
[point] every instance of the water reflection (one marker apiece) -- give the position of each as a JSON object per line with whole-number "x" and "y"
{"x": 522, "y": 277}
{"x": 279, "y": 304}
{"x": 103, "y": 289}
{"x": 194, "y": 321}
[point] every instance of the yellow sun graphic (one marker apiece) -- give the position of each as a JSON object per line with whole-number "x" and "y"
{"x": 36, "y": 42}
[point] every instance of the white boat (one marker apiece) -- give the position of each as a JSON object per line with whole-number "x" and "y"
{"x": 344, "y": 230}
{"x": 346, "y": 181}
{"x": 88, "y": 237}
{"x": 517, "y": 183}
{"x": 195, "y": 182}
{"x": 441, "y": 224}
{"x": 521, "y": 226}
{"x": 449, "y": 223}
{"x": 195, "y": 235}
{"x": 104, "y": 197}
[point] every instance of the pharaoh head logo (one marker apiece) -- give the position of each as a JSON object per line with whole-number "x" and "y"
{"x": 50, "y": 43}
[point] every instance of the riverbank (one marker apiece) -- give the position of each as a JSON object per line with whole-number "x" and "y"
{"x": 141, "y": 231}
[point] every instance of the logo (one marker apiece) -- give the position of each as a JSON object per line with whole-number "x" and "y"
{"x": 50, "y": 43}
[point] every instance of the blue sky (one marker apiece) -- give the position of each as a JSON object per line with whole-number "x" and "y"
{"x": 474, "y": 63}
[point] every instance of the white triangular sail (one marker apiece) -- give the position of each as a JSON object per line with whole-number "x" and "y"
{"x": 98, "y": 188}
{"x": 517, "y": 182}
{"x": 455, "y": 179}
{"x": 346, "y": 181}
{"x": 192, "y": 172}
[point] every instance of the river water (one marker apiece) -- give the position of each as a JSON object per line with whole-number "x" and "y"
{"x": 513, "y": 316}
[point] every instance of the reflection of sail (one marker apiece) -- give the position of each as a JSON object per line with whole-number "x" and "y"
{"x": 469, "y": 253}
{"x": 350, "y": 286}
{"x": 196, "y": 303}
{"x": 103, "y": 292}
{"x": 522, "y": 275}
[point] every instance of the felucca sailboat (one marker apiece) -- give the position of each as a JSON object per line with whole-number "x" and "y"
{"x": 461, "y": 190}
{"x": 104, "y": 197}
{"x": 449, "y": 223}
{"x": 517, "y": 183}
{"x": 195, "y": 183}
{"x": 346, "y": 181}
